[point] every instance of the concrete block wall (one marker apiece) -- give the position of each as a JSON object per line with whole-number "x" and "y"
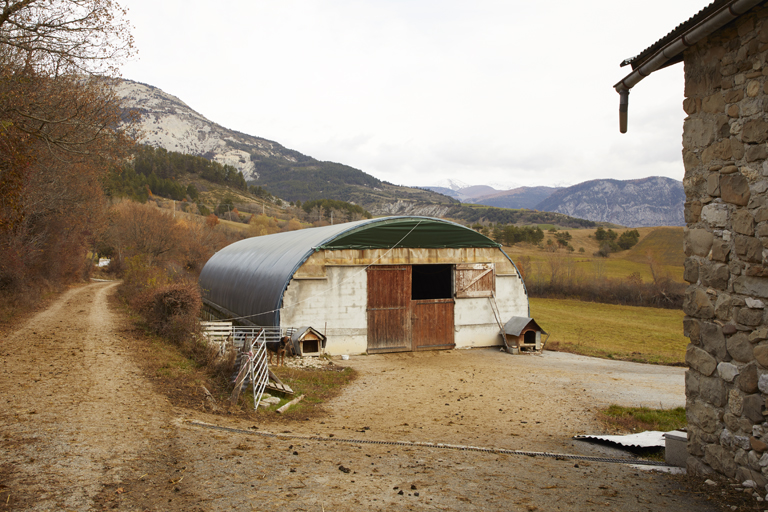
{"x": 725, "y": 153}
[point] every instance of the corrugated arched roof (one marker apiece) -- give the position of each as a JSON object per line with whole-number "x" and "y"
{"x": 248, "y": 278}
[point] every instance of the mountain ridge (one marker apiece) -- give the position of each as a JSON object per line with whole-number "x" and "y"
{"x": 167, "y": 122}
{"x": 644, "y": 202}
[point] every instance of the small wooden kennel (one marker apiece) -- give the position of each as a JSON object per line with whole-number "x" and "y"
{"x": 522, "y": 334}
{"x": 308, "y": 342}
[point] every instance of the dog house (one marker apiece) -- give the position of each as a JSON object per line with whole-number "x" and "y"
{"x": 377, "y": 285}
{"x": 308, "y": 342}
{"x": 523, "y": 334}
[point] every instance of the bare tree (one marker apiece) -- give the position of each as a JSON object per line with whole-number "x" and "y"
{"x": 59, "y": 130}
{"x": 59, "y": 37}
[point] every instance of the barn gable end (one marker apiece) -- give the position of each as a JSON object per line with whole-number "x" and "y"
{"x": 322, "y": 277}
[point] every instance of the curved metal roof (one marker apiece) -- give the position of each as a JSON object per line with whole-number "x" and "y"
{"x": 247, "y": 279}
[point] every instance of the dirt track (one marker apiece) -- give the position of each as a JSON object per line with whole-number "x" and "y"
{"x": 82, "y": 429}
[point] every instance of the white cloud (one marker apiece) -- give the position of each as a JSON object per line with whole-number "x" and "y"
{"x": 418, "y": 91}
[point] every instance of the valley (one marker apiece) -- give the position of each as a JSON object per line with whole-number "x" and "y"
{"x": 166, "y": 122}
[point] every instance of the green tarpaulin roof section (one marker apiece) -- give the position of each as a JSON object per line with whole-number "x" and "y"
{"x": 414, "y": 232}
{"x": 248, "y": 278}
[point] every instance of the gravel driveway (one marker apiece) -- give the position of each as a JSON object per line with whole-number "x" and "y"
{"x": 83, "y": 429}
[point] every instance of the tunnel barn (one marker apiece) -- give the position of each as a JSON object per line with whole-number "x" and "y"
{"x": 378, "y": 285}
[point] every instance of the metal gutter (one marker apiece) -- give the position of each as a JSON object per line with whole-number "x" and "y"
{"x": 672, "y": 49}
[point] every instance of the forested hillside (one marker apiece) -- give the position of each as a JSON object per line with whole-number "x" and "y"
{"x": 160, "y": 172}
{"x": 470, "y": 214}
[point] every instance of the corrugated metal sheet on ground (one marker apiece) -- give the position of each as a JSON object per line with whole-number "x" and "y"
{"x": 649, "y": 439}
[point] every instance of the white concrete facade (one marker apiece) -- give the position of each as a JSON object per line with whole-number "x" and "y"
{"x": 332, "y": 297}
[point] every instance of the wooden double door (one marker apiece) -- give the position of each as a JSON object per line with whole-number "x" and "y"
{"x": 397, "y": 322}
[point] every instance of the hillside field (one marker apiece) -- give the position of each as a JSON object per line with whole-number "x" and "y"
{"x": 644, "y": 335}
{"x": 661, "y": 245}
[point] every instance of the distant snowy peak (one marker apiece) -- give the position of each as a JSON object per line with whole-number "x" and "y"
{"x": 460, "y": 190}
{"x": 504, "y": 185}
{"x": 454, "y": 185}
{"x": 169, "y": 123}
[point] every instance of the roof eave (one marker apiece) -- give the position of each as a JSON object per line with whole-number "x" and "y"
{"x": 672, "y": 51}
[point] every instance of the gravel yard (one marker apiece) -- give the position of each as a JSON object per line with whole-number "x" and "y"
{"x": 83, "y": 429}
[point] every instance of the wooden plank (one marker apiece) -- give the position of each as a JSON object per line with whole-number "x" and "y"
{"x": 276, "y": 384}
{"x": 475, "y": 280}
{"x": 216, "y": 331}
{"x": 285, "y": 407}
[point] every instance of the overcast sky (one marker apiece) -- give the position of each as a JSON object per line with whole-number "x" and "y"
{"x": 413, "y": 92}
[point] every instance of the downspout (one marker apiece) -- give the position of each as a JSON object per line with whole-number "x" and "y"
{"x": 726, "y": 14}
{"x": 623, "y": 110}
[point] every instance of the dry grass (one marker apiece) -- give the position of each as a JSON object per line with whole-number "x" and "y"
{"x": 666, "y": 245}
{"x": 663, "y": 243}
{"x": 318, "y": 385}
{"x": 640, "y": 334}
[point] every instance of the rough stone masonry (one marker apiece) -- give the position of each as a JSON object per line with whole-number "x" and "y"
{"x": 726, "y": 183}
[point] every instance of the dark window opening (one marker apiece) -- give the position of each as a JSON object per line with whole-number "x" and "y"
{"x": 431, "y": 282}
{"x": 529, "y": 338}
{"x": 310, "y": 346}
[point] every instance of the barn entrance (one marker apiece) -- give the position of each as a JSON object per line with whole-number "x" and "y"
{"x": 410, "y": 307}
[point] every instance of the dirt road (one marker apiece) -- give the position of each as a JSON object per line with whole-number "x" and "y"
{"x": 81, "y": 428}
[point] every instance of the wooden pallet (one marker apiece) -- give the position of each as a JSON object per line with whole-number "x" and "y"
{"x": 275, "y": 384}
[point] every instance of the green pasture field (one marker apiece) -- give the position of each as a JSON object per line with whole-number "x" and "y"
{"x": 644, "y": 335}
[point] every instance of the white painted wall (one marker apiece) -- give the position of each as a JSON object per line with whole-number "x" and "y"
{"x": 335, "y": 306}
{"x": 476, "y": 325}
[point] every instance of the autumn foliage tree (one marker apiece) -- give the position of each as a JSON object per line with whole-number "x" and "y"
{"x": 59, "y": 133}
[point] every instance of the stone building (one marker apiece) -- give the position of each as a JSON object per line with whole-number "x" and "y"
{"x": 724, "y": 49}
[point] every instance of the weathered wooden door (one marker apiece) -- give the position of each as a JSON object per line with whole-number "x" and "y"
{"x": 432, "y": 324}
{"x": 389, "y": 312}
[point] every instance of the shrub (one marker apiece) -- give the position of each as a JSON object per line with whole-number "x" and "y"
{"x": 628, "y": 239}
{"x": 171, "y": 310}
{"x": 604, "y": 251}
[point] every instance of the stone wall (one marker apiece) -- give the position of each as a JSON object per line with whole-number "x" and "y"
{"x": 726, "y": 244}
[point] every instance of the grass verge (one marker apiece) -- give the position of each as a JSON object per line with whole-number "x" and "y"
{"x": 627, "y": 333}
{"x": 640, "y": 419}
{"x": 318, "y": 385}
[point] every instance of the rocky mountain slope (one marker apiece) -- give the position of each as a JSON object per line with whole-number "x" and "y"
{"x": 654, "y": 201}
{"x": 169, "y": 123}
{"x": 521, "y": 197}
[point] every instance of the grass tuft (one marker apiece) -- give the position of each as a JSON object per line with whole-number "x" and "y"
{"x": 318, "y": 386}
{"x": 640, "y": 419}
